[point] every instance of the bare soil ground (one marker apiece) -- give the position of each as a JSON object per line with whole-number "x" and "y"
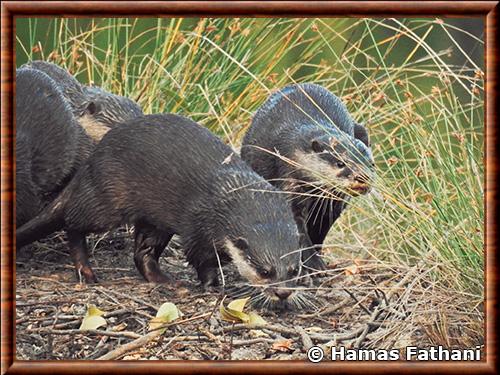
{"x": 363, "y": 304}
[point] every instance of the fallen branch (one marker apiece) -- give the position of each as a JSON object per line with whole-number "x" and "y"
{"x": 121, "y": 350}
{"x": 127, "y": 334}
{"x": 293, "y": 332}
{"x": 143, "y": 340}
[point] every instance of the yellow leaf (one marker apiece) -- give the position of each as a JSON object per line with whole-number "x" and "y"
{"x": 93, "y": 318}
{"x": 167, "y": 313}
{"x": 92, "y": 322}
{"x": 156, "y": 323}
{"x": 94, "y": 311}
{"x": 238, "y": 304}
{"x": 234, "y": 311}
{"x": 233, "y": 315}
{"x": 255, "y": 320}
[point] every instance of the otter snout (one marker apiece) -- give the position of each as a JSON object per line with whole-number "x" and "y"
{"x": 282, "y": 294}
{"x": 360, "y": 182}
{"x": 361, "y": 178}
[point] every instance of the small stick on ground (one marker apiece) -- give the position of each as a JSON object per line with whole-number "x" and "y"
{"x": 231, "y": 344}
{"x": 130, "y": 335}
{"x": 306, "y": 340}
{"x": 222, "y": 294}
{"x": 256, "y": 340}
{"x": 143, "y": 340}
{"x": 357, "y": 301}
{"x": 138, "y": 300}
{"x": 137, "y": 343}
{"x": 376, "y": 312}
{"x": 328, "y": 310}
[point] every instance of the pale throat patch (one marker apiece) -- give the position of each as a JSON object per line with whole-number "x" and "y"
{"x": 318, "y": 168}
{"x": 242, "y": 264}
{"x": 93, "y": 128}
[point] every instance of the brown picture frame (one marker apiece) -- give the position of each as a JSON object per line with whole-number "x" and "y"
{"x": 12, "y": 9}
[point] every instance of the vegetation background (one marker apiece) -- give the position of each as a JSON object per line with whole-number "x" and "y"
{"x": 417, "y": 84}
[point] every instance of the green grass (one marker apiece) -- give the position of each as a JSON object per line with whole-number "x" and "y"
{"x": 424, "y": 111}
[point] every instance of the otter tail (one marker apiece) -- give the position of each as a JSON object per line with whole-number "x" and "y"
{"x": 49, "y": 220}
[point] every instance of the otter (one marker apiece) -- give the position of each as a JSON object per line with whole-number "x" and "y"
{"x": 167, "y": 175}
{"x": 304, "y": 141}
{"x": 50, "y": 144}
{"x": 96, "y": 110}
{"x": 105, "y": 110}
{"x": 70, "y": 88}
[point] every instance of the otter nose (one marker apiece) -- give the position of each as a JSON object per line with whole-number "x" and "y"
{"x": 362, "y": 178}
{"x": 282, "y": 293}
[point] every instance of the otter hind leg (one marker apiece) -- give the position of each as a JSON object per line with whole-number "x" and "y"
{"x": 79, "y": 254}
{"x": 149, "y": 245}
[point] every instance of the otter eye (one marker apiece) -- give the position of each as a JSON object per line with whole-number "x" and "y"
{"x": 316, "y": 146}
{"x": 340, "y": 164}
{"x": 92, "y": 108}
{"x": 266, "y": 273}
{"x": 294, "y": 272}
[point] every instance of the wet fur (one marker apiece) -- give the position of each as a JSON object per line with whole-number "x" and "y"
{"x": 167, "y": 175}
{"x": 96, "y": 110}
{"x": 50, "y": 145}
{"x": 274, "y": 146}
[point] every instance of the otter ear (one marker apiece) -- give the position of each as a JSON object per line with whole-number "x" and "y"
{"x": 93, "y": 108}
{"x": 316, "y": 146}
{"x": 361, "y": 134}
{"x": 241, "y": 243}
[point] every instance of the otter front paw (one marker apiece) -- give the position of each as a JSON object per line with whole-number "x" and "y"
{"x": 208, "y": 278}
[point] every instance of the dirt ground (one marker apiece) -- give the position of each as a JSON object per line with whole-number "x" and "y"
{"x": 360, "y": 304}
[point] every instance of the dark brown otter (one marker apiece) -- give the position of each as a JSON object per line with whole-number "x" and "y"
{"x": 167, "y": 175}
{"x": 96, "y": 110}
{"x": 50, "y": 144}
{"x": 304, "y": 141}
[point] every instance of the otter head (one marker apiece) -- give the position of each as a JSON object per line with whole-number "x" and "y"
{"x": 103, "y": 110}
{"x": 336, "y": 160}
{"x": 268, "y": 257}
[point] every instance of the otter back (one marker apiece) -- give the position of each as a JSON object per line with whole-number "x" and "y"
{"x": 167, "y": 175}
{"x": 50, "y": 145}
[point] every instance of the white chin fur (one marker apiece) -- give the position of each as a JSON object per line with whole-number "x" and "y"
{"x": 241, "y": 263}
{"x": 317, "y": 168}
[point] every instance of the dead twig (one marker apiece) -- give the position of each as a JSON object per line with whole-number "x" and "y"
{"x": 376, "y": 312}
{"x": 328, "y": 310}
{"x": 135, "y": 299}
{"x": 306, "y": 340}
{"x": 357, "y": 301}
{"x": 130, "y": 335}
{"x": 257, "y": 340}
{"x": 137, "y": 343}
{"x": 143, "y": 340}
